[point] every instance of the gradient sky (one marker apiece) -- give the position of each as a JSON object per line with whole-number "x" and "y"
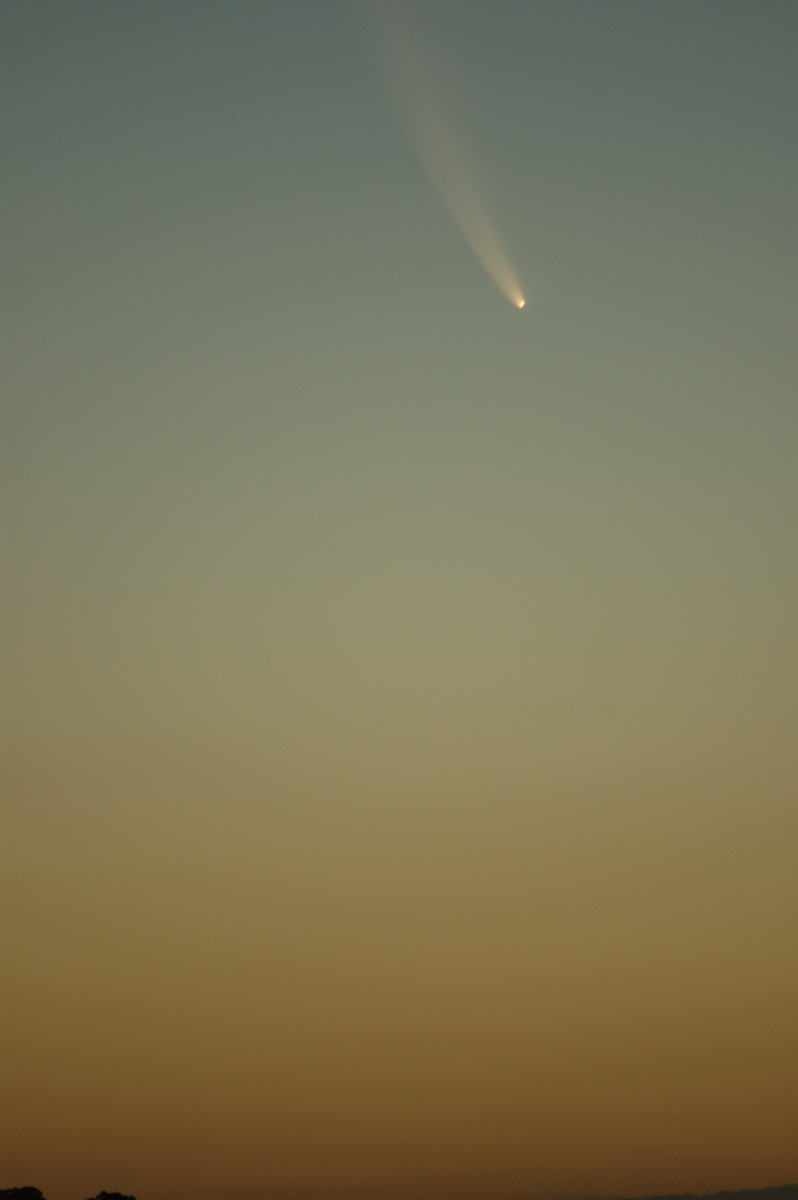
{"x": 402, "y": 783}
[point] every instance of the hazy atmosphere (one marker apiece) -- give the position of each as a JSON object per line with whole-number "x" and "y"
{"x": 401, "y": 777}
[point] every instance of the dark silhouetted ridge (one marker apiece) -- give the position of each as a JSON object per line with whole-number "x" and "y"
{"x": 785, "y": 1191}
{"x": 32, "y": 1193}
{"x": 112, "y": 1196}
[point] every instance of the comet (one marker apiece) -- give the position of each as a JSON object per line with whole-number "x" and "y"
{"x": 426, "y": 117}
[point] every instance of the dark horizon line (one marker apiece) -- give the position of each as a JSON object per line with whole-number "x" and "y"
{"x": 783, "y": 1191}
{"x": 776, "y": 1190}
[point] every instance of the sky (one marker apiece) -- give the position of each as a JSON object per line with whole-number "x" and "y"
{"x": 400, "y": 777}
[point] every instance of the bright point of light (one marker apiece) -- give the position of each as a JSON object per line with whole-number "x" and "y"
{"x": 521, "y": 303}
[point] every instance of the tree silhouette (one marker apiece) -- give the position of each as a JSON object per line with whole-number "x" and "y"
{"x": 105, "y": 1196}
